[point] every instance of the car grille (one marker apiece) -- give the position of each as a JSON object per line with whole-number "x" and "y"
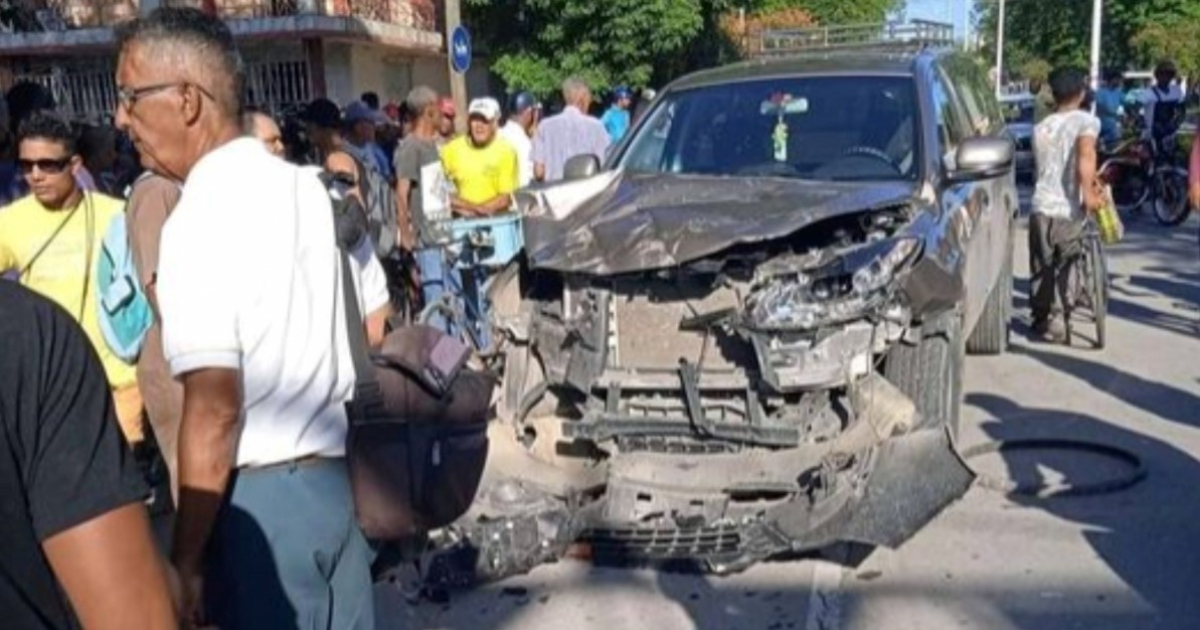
{"x": 655, "y": 545}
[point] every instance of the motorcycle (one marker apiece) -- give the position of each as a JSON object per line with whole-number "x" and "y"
{"x": 1141, "y": 172}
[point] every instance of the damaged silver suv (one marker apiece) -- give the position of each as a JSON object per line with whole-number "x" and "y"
{"x": 743, "y": 336}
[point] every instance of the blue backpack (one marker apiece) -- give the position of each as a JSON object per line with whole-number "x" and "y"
{"x": 124, "y": 311}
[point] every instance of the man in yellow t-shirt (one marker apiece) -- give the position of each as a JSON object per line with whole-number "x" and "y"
{"x": 481, "y": 165}
{"x": 53, "y": 238}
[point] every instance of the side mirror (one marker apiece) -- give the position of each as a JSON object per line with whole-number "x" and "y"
{"x": 982, "y": 158}
{"x": 581, "y": 167}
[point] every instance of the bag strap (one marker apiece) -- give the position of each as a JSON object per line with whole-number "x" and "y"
{"x": 50, "y": 241}
{"x": 367, "y": 394}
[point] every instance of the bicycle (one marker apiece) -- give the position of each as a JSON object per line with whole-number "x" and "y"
{"x": 473, "y": 252}
{"x": 1085, "y": 294}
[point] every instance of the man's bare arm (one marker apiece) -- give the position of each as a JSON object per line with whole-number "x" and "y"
{"x": 212, "y": 402}
{"x": 463, "y": 207}
{"x": 377, "y": 325}
{"x": 112, "y": 573}
{"x": 1085, "y": 147}
{"x": 498, "y": 204}
{"x": 407, "y": 236}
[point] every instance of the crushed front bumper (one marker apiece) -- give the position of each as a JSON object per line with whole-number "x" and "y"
{"x": 912, "y": 479}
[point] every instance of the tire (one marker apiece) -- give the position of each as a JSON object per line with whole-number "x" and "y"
{"x": 1170, "y": 199}
{"x": 991, "y": 334}
{"x": 1099, "y": 293}
{"x": 931, "y": 372}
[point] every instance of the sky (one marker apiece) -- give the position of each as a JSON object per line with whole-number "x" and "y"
{"x": 954, "y": 11}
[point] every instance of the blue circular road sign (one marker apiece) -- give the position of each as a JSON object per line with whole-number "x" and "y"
{"x": 460, "y": 49}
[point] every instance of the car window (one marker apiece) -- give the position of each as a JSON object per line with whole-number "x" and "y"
{"x": 978, "y": 101}
{"x": 949, "y": 130}
{"x": 843, "y": 128}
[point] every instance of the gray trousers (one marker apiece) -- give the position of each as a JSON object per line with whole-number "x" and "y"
{"x": 287, "y": 552}
{"x": 1053, "y": 244}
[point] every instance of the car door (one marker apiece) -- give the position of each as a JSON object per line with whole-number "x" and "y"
{"x": 988, "y": 204}
{"x": 958, "y": 216}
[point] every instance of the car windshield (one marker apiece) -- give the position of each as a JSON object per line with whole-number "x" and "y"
{"x": 846, "y": 128}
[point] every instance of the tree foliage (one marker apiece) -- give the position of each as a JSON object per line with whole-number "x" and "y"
{"x": 1059, "y": 32}
{"x": 1178, "y": 40}
{"x": 834, "y": 11}
{"x": 535, "y": 44}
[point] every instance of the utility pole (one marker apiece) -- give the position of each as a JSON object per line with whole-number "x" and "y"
{"x": 1000, "y": 51}
{"x": 458, "y": 81}
{"x": 966, "y": 21}
{"x": 1097, "y": 25}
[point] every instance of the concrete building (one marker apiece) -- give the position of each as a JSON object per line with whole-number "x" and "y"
{"x": 294, "y": 50}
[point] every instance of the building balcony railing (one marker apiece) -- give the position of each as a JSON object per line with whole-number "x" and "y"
{"x": 50, "y": 16}
{"x": 417, "y": 14}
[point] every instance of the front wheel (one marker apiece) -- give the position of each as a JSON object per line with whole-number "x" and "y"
{"x": 931, "y": 371}
{"x": 1170, "y": 199}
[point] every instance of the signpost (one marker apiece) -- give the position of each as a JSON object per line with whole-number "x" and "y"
{"x": 456, "y": 35}
{"x": 460, "y": 49}
{"x": 1097, "y": 26}
{"x": 1000, "y": 52}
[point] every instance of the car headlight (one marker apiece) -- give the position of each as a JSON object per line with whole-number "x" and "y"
{"x": 839, "y": 291}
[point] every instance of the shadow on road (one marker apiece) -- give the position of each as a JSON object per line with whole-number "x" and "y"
{"x": 1146, "y": 535}
{"x": 1160, "y": 399}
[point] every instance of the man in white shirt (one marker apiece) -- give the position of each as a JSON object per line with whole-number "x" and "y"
{"x": 1065, "y": 146}
{"x": 518, "y": 131}
{"x": 250, "y": 291}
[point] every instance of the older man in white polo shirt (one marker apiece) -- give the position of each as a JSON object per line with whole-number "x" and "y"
{"x": 250, "y": 289}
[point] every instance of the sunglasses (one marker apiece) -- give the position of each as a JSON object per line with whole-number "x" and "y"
{"x": 49, "y": 167}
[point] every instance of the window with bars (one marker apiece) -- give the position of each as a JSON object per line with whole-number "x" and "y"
{"x": 89, "y": 93}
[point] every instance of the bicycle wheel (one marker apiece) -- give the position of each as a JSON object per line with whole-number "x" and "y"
{"x": 1170, "y": 198}
{"x": 1099, "y": 290}
{"x": 1071, "y": 297}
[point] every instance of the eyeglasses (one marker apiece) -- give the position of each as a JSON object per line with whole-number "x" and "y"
{"x": 49, "y": 167}
{"x": 128, "y": 97}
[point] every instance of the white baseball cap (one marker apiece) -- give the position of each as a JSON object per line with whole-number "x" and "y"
{"x": 487, "y": 108}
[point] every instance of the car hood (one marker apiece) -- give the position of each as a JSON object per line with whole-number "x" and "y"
{"x": 641, "y": 222}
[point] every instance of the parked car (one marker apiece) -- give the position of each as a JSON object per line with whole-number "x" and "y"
{"x": 1019, "y": 114}
{"x": 743, "y": 335}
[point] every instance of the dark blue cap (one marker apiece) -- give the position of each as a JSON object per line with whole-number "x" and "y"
{"x": 622, "y": 92}
{"x": 521, "y": 101}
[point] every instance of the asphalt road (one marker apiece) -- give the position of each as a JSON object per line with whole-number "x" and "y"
{"x": 1124, "y": 561}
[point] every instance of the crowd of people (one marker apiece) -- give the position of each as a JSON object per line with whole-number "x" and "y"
{"x": 1074, "y": 129}
{"x": 1153, "y": 112}
{"x": 179, "y": 292}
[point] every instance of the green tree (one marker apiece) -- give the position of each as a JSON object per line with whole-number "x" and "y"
{"x": 1178, "y": 40}
{"x": 535, "y": 44}
{"x": 829, "y": 12}
{"x": 1060, "y": 31}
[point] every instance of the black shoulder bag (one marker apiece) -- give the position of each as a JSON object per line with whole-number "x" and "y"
{"x": 418, "y": 441}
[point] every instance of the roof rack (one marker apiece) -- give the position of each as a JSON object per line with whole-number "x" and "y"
{"x": 888, "y": 36}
